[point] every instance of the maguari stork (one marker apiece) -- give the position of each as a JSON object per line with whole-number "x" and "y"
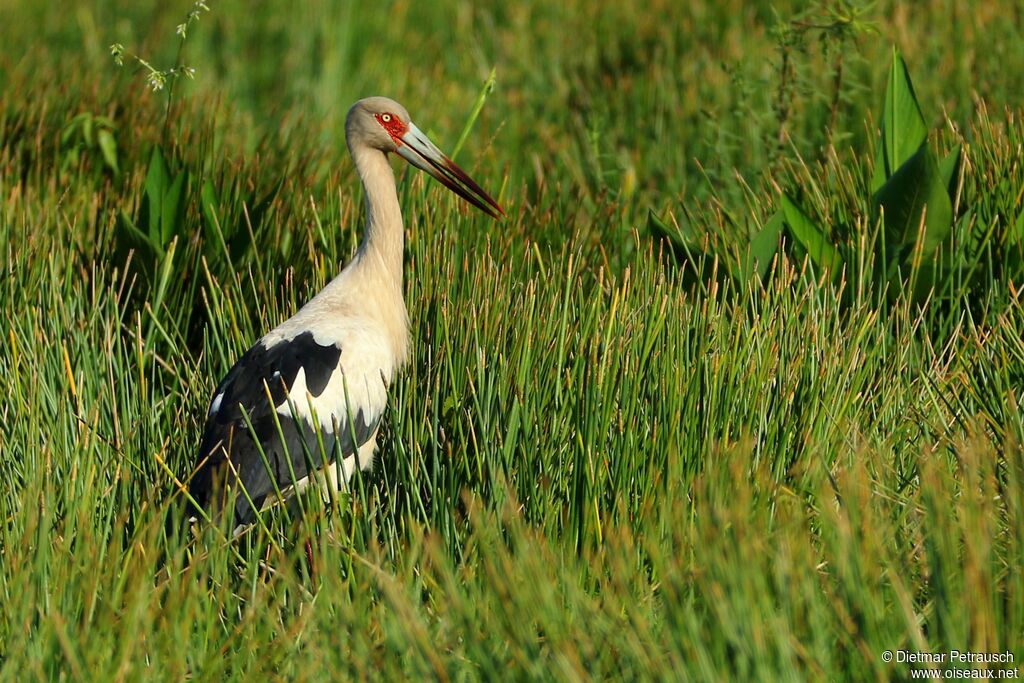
{"x": 307, "y": 399}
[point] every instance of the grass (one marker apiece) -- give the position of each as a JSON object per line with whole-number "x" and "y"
{"x": 596, "y": 464}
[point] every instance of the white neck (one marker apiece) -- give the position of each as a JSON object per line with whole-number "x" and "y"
{"x": 381, "y": 253}
{"x": 371, "y": 284}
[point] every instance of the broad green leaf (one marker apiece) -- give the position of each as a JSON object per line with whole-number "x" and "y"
{"x": 916, "y": 188}
{"x": 949, "y": 170}
{"x": 173, "y": 214}
{"x": 903, "y": 126}
{"x": 662, "y": 228}
{"x": 659, "y": 227}
{"x": 926, "y": 279}
{"x": 763, "y": 247}
{"x": 209, "y": 202}
{"x": 132, "y": 237}
{"x": 677, "y": 241}
{"x": 697, "y": 266}
{"x": 156, "y": 188}
{"x": 811, "y": 237}
{"x": 879, "y": 176}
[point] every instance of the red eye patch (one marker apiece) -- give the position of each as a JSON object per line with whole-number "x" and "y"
{"x": 393, "y": 125}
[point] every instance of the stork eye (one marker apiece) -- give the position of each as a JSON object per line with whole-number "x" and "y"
{"x": 386, "y": 118}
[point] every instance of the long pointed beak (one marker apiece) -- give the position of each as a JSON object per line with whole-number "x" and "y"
{"x": 418, "y": 150}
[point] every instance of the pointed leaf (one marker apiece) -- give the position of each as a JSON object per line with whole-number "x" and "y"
{"x": 659, "y": 227}
{"x": 763, "y": 247}
{"x": 903, "y": 126}
{"x": 130, "y": 237}
{"x": 916, "y": 186}
{"x": 697, "y": 266}
{"x": 677, "y": 240}
{"x": 173, "y": 209}
{"x": 811, "y": 237}
{"x": 949, "y": 170}
{"x": 879, "y": 176}
{"x": 926, "y": 279}
{"x": 152, "y": 203}
{"x": 209, "y": 202}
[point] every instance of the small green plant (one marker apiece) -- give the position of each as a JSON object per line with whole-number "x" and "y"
{"x": 914, "y": 236}
{"x": 913, "y": 193}
{"x": 913, "y": 211}
{"x": 160, "y": 220}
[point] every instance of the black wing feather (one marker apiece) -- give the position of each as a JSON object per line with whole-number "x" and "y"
{"x": 228, "y": 437}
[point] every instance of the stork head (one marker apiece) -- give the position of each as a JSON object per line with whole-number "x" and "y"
{"x": 384, "y": 124}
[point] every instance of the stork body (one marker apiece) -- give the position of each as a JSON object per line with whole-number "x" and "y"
{"x": 323, "y": 374}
